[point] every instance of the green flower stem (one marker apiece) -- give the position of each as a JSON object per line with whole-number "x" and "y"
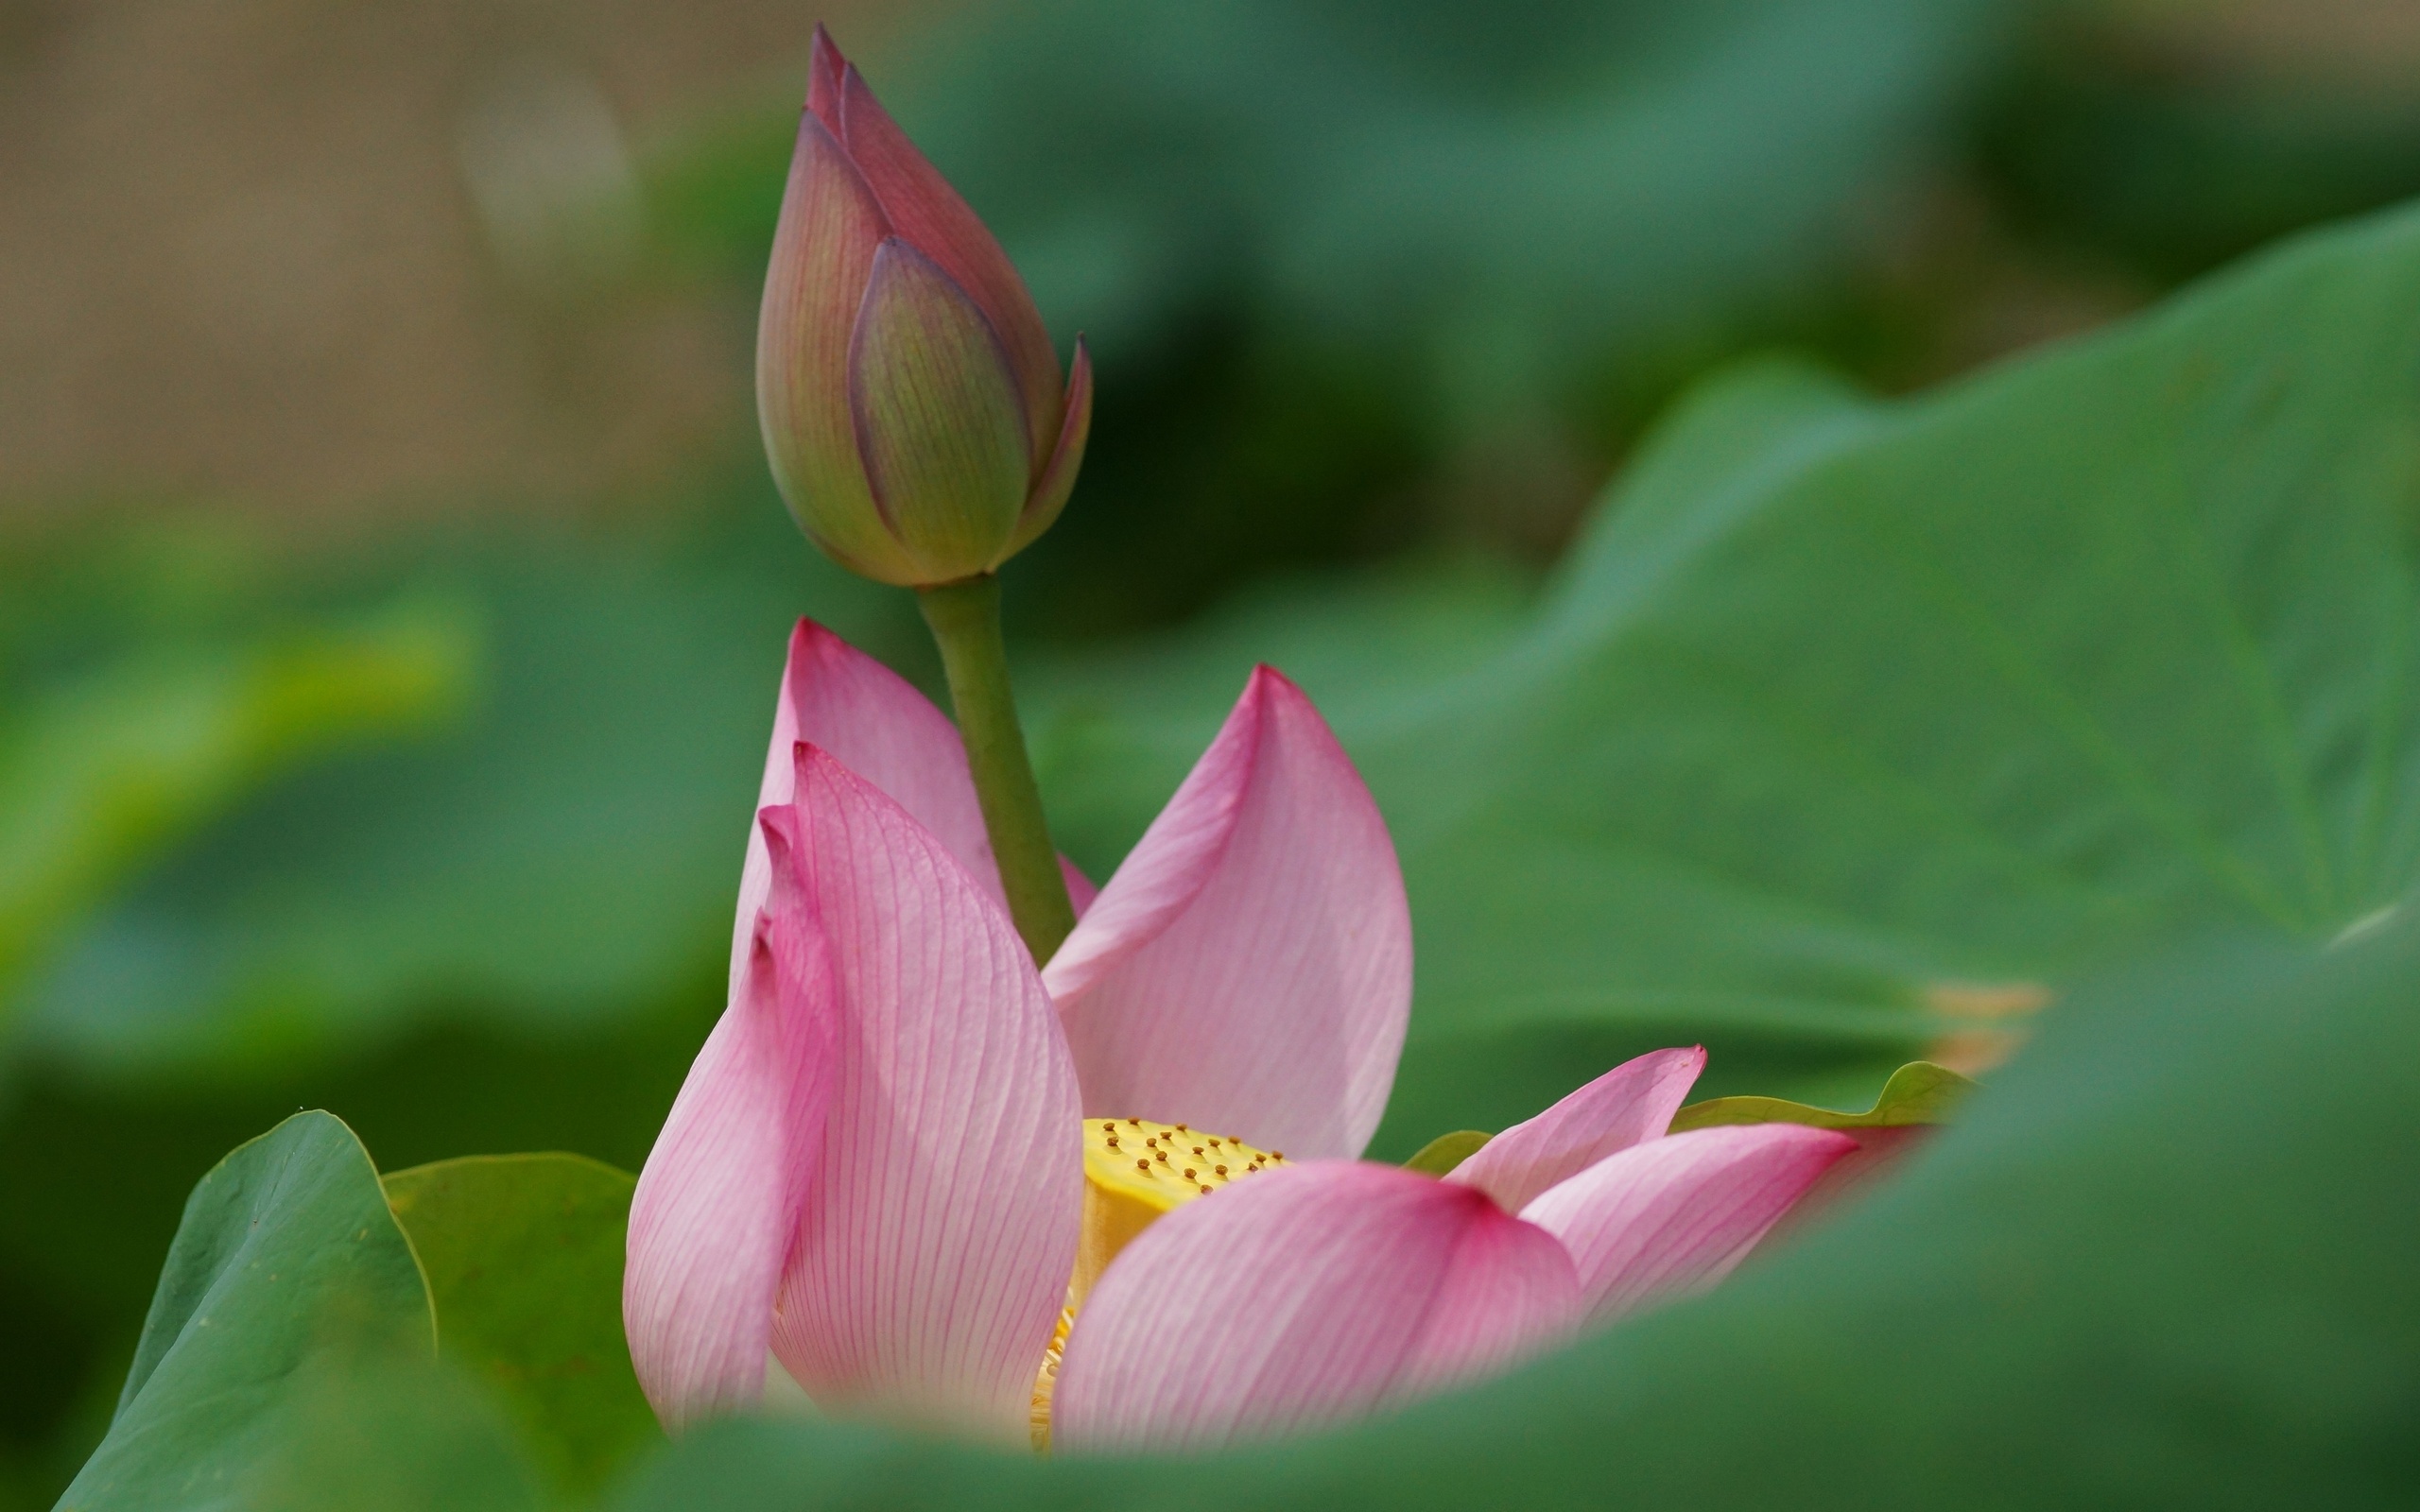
{"x": 965, "y": 619}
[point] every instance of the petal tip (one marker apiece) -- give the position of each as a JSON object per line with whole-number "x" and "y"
{"x": 1055, "y": 478}
{"x": 1268, "y": 687}
{"x": 823, "y": 75}
{"x": 812, "y": 641}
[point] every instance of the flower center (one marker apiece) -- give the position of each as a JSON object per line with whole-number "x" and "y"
{"x": 1136, "y": 1170}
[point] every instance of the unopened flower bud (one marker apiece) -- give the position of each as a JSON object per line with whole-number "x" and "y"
{"x": 911, "y": 402}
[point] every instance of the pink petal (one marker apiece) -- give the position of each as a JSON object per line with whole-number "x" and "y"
{"x": 824, "y": 252}
{"x": 1630, "y": 1104}
{"x": 1081, "y": 891}
{"x": 1675, "y": 1215}
{"x": 922, "y": 207}
{"x": 1248, "y": 971}
{"x": 883, "y": 730}
{"x": 939, "y": 423}
{"x": 1066, "y": 459}
{"x": 879, "y": 727}
{"x": 1504, "y": 1298}
{"x": 1878, "y": 1152}
{"x": 1301, "y": 1297}
{"x": 941, "y": 1224}
{"x": 719, "y": 1201}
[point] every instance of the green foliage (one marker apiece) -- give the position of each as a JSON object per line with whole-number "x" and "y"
{"x": 380, "y": 1432}
{"x": 1848, "y": 716}
{"x": 524, "y": 1259}
{"x": 101, "y": 775}
{"x": 1492, "y": 202}
{"x": 302, "y": 1352}
{"x": 286, "y": 1252}
{"x": 1919, "y": 1093}
{"x": 2094, "y": 134}
{"x": 564, "y": 856}
{"x": 1441, "y": 1155}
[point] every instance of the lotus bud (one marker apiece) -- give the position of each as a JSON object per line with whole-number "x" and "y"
{"x": 912, "y": 403}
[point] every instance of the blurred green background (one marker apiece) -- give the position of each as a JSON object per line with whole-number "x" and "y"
{"x": 391, "y": 592}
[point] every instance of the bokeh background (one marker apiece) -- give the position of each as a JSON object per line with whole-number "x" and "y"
{"x": 391, "y": 590}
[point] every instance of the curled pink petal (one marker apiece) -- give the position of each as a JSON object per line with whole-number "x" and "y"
{"x": 719, "y": 1204}
{"x": 1302, "y": 1296}
{"x": 1504, "y": 1298}
{"x": 1249, "y": 968}
{"x": 824, "y": 252}
{"x": 941, "y": 1224}
{"x": 1630, "y": 1104}
{"x": 883, "y": 730}
{"x": 922, "y": 208}
{"x": 1675, "y": 1215}
{"x": 1057, "y": 478}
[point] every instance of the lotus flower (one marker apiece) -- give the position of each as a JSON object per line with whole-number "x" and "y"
{"x": 909, "y": 396}
{"x": 905, "y": 1161}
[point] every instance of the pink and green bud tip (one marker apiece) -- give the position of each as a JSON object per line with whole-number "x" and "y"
{"x": 911, "y": 402}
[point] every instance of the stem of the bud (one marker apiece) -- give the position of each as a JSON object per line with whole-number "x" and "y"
{"x": 965, "y": 620}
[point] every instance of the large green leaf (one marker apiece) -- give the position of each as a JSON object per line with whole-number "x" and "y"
{"x": 2149, "y": 1270}
{"x": 378, "y": 1431}
{"x": 288, "y": 1251}
{"x": 524, "y": 1260}
{"x": 1850, "y": 719}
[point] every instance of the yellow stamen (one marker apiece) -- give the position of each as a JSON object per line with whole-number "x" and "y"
{"x": 1046, "y": 1385}
{"x": 1122, "y": 1197}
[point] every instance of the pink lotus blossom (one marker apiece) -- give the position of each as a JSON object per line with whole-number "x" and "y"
{"x": 905, "y": 1158}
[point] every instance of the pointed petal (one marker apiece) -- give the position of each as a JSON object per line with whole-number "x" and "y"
{"x": 1628, "y": 1104}
{"x": 1067, "y": 458}
{"x": 1302, "y": 1296}
{"x": 938, "y": 418}
{"x": 941, "y": 1226}
{"x": 1247, "y": 970}
{"x": 923, "y": 208}
{"x": 1081, "y": 891}
{"x": 719, "y": 1201}
{"x": 1675, "y": 1215}
{"x": 824, "y": 66}
{"x": 879, "y": 727}
{"x": 874, "y": 722}
{"x": 824, "y": 252}
{"x": 1878, "y": 1152}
